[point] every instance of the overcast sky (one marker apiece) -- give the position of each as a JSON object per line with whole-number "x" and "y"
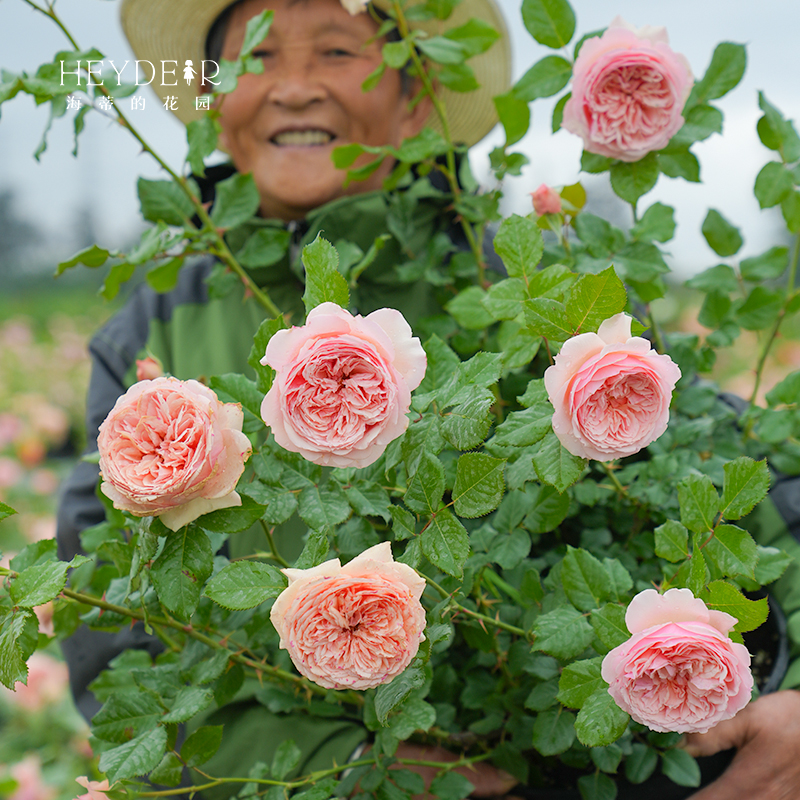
{"x": 58, "y": 189}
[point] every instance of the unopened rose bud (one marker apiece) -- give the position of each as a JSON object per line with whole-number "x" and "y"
{"x": 546, "y": 200}
{"x": 148, "y": 369}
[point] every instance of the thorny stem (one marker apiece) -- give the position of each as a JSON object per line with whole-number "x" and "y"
{"x": 314, "y": 777}
{"x": 441, "y": 112}
{"x": 497, "y": 623}
{"x": 621, "y": 490}
{"x": 657, "y": 338}
{"x": 220, "y": 249}
{"x": 776, "y": 327}
{"x": 261, "y": 668}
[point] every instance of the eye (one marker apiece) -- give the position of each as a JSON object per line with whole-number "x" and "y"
{"x": 261, "y": 53}
{"x": 338, "y": 52}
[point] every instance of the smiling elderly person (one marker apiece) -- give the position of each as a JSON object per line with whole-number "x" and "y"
{"x": 280, "y": 125}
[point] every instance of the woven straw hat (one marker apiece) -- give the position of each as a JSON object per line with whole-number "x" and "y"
{"x": 176, "y": 30}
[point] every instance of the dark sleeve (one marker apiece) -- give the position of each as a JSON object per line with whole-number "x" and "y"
{"x": 113, "y": 351}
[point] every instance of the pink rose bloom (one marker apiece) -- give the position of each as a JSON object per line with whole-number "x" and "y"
{"x": 611, "y": 392}
{"x": 171, "y": 449}
{"x": 343, "y": 384}
{"x": 354, "y": 626}
{"x": 679, "y": 671}
{"x": 148, "y": 369}
{"x": 546, "y": 200}
{"x": 628, "y": 92}
{"x": 30, "y": 785}
{"x": 47, "y": 683}
{"x": 96, "y": 789}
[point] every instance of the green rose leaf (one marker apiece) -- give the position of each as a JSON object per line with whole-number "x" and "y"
{"x": 630, "y": 180}
{"x": 479, "y": 484}
{"x": 201, "y": 136}
{"x": 468, "y": 310}
{"x": 563, "y": 633}
{"x": 699, "y": 503}
{"x": 733, "y": 550}
{"x": 445, "y": 543}
{"x": 777, "y": 133}
{"x": 324, "y": 506}
{"x": 287, "y": 757}
{"x": 548, "y": 318}
{"x": 725, "y": 597}
{"x": 555, "y": 465}
{"x": 550, "y": 22}
{"x": 324, "y": 282}
{"x": 6, "y": 511}
{"x": 17, "y": 628}
{"x": 545, "y": 78}
{"x": 189, "y": 701}
{"x": 237, "y": 200}
{"x": 553, "y": 731}
{"x": 136, "y": 757}
{"x": 514, "y": 115}
{"x": 255, "y": 32}
{"x": 93, "y": 256}
{"x": 201, "y": 745}
{"x": 390, "y": 695}
{"x": 609, "y": 625}
{"x": 181, "y": 569}
{"x": 672, "y": 541}
{"x": 519, "y": 243}
{"x": 524, "y": 428}
{"x": 597, "y": 786}
{"x": 759, "y": 309}
{"x": 680, "y": 767}
{"x": 722, "y": 237}
{"x": 773, "y": 183}
{"x": 579, "y": 681}
{"x": 245, "y": 584}
{"x": 641, "y": 763}
{"x": 600, "y": 721}
{"x": 584, "y": 578}
{"x": 593, "y": 299}
{"x": 766, "y": 266}
{"x": 164, "y": 201}
{"x": 657, "y": 224}
{"x": 723, "y": 74}
{"x": 549, "y": 509}
{"x": 426, "y": 487}
{"x": 746, "y": 484}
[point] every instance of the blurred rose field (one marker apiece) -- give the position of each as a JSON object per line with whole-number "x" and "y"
{"x": 44, "y": 370}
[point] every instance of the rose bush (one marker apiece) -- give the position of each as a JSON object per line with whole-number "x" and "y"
{"x": 343, "y": 385}
{"x": 496, "y": 491}
{"x": 679, "y": 671}
{"x": 611, "y": 392}
{"x": 170, "y": 449}
{"x": 628, "y": 92}
{"x": 354, "y": 626}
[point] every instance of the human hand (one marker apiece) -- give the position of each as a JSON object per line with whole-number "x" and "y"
{"x": 487, "y": 780}
{"x": 767, "y": 735}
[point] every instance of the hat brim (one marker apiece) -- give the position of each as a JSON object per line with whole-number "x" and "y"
{"x": 176, "y": 31}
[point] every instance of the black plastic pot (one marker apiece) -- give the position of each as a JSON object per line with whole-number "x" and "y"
{"x": 769, "y": 647}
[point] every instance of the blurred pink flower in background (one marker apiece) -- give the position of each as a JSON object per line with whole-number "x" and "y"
{"x": 37, "y": 527}
{"x": 546, "y": 200}
{"x": 30, "y": 785}
{"x": 10, "y": 472}
{"x": 10, "y": 428}
{"x": 47, "y": 683}
{"x": 148, "y": 369}
{"x": 44, "y": 613}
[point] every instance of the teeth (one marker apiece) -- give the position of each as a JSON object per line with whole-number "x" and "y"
{"x": 302, "y": 138}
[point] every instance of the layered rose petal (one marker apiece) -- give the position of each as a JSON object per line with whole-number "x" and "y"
{"x": 343, "y": 384}
{"x": 628, "y": 91}
{"x": 351, "y": 627}
{"x": 682, "y": 673}
{"x": 610, "y": 391}
{"x": 171, "y": 449}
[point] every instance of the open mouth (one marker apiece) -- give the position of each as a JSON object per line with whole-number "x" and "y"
{"x": 307, "y": 138}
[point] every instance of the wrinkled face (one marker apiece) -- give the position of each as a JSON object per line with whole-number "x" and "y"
{"x": 283, "y": 125}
